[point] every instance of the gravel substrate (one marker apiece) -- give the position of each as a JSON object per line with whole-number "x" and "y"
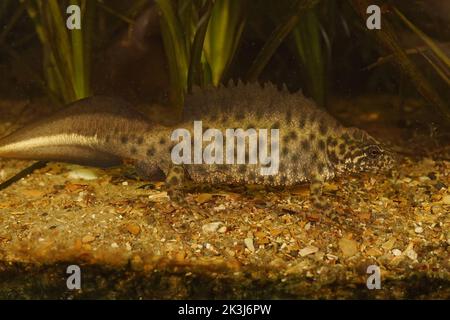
{"x": 234, "y": 241}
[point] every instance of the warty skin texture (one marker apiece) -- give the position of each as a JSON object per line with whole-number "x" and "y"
{"x": 102, "y": 131}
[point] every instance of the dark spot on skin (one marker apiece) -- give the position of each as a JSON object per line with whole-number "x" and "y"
{"x": 346, "y": 137}
{"x": 276, "y": 125}
{"x": 331, "y": 141}
{"x": 177, "y": 169}
{"x": 332, "y": 156}
{"x": 321, "y": 145}
{"x": 306, "y": 145}
{"x": 133, "y": 150}
{"x": 140, "y": 140}
{"x": 162, "y": 140}
{"x": 293, "y": 135}
{"x": 124, "y": 139}
{"x": 151, "y": 151}
{"x": 173, "y": 180}
{"x": 320, "y": 167}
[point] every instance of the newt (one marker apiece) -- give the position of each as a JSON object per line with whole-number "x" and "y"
{"x": 103, "y": 131}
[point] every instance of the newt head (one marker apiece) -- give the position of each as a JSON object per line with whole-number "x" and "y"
{"x": 357, "y": 151}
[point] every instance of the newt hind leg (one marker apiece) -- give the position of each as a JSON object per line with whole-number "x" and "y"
{"x": 175, "y": 182}
{"x": 319, "y": 201}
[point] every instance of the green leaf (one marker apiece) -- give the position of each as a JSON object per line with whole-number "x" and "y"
{"x": 225, "y": 28}
{"x": 308, "y": 44}
{"x": 176, "y": 51}
{"x": 277, "y": 37}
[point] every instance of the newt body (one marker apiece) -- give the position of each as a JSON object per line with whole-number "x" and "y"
{"x": 102, "y": 131}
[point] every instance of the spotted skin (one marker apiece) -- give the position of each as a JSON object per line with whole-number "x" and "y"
{"x": 175, "y": 181}
{"x": 314, "y": 147}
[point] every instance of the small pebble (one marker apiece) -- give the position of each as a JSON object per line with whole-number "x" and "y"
{"x": 396, "y": 252}
{"x": 374, "y": 252}
{"x": 440, "y": 186}
{"x": 203, "y": 197}
{"x": 446, "y": 199}
{"x": 418, "y": 230}
{"x": 83, "y": 174}
{"x": 410, "y": 253}
{"x": 406, "y": 179}
{"x": 88, "y": 238}
{"x": 33, "y": 193}
{"x": 249, "y": 244}
{"x": 220, "y": 207}
{"x": 331, "y": 256}
{"x": 388, "y": 245}
{"x": 133, "y": 228}
{"x": 211, "y": 227}
{"x": 348, "y": 247}
{"x": 432, "y": 175}
{"x": 81, "y": 196}
{"x": 308, "y": 250}
{"x": 158, "y": 197}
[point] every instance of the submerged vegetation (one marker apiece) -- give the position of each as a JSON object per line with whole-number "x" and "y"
{"x": 65, "y": 52}
{"x": 208, "y": 42}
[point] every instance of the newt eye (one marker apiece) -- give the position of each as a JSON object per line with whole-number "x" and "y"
{"x": 373, "y": 151}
